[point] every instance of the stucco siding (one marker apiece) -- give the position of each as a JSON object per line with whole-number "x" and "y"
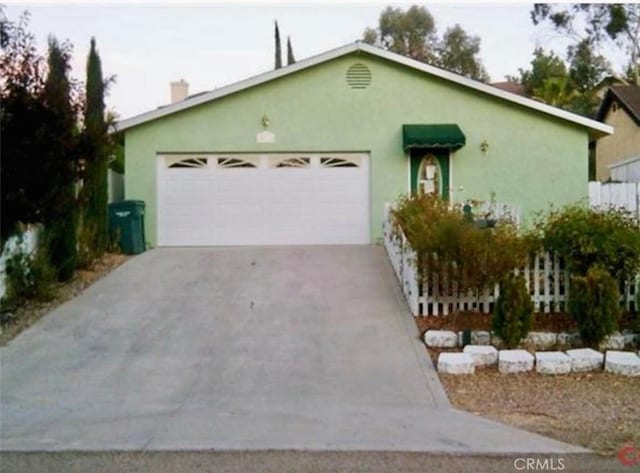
{"x": 533, "y": 159}
{"x": 623, "y": 144}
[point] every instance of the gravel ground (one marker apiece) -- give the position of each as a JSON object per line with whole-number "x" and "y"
{"x": 598, "y": 411}
{"x": 33, "y": 311}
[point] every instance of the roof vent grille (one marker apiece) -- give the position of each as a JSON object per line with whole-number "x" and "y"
{"x": 358, "y": 76}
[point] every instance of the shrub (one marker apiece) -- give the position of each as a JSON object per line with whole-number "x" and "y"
{"x": 29, "y": 276}
{"x": 585, "y": 237}
{"x": 512, "y": 315}
{"x": 87, "y": 253}
{"x": 594, "y": 303}
{"x": 449, "y": 243}
{"x": 636, "y": 320}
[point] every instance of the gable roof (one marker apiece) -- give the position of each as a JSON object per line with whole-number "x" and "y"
{"x": 596, "y": 128}
{"x": 629, "y": 98}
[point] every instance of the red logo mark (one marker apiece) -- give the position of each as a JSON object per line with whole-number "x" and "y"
{"x": 629, "y": 455}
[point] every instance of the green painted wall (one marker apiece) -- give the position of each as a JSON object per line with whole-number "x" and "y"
{"x": 533, "y": 159}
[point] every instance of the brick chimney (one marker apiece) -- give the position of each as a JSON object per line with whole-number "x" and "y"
{"x": 179, "y": 90}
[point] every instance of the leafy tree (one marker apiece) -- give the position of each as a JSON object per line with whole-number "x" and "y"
{"x": 412, "y": 33}
{"x": 543, "y": 66}
{"x": 95, "y": 141}
{"x": 59, "y": 161}
{"x": 459, "y": 53}
{"x": 23, "y": 117}
{"x": 556, "y": 91}
{"x": 597, "y": 23}
{"x": 290, "y": 58}
{"x": 278, "y": 47}
{"x": 571, "y": 87}
{"x": 586, "y": 71}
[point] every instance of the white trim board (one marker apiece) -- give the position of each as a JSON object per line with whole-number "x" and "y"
{"x": 596, "y": 128}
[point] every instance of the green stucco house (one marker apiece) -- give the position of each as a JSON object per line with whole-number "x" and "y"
{"x": 310, "y": 153}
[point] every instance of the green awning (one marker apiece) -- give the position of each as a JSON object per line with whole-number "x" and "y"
{"x": 432, "y": 136}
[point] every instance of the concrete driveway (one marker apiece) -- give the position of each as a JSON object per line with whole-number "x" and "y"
{"x": 238, "y": 349}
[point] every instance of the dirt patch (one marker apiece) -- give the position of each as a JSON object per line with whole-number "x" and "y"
{"x": 599, "y": 411}
{"x": 32, "y": 311}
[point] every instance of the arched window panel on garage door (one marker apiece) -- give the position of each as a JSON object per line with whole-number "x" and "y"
{"x": 234, "y": 162}
{"x": 290, "y": 162}
{"x": 182, "y": 162}
{"x": 340, "y": 162}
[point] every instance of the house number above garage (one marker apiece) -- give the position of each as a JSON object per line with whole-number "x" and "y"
{"x": 265, "y": 136}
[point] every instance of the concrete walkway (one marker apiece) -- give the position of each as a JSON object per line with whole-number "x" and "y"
{"x": 296, "y": 348}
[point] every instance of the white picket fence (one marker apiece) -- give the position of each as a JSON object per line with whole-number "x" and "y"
{"x": 623, "y": 195}
{"x": 545, "y": 277}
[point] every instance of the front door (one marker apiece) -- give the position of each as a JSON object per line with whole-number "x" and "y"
{"x": 430, "y": 171}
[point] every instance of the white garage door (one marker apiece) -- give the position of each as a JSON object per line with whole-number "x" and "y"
{"x": 254, "y": 199}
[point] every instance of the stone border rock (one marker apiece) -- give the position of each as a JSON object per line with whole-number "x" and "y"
{"x": 515, "y": 361}
{"x": 483, "y": 355}
{"x": 625, "y": 363}
{"x": 585, "y": 359}
{"x": 455, "y": 363}
{"x": 552, "y": 362}
{"x": 539, "y": 341}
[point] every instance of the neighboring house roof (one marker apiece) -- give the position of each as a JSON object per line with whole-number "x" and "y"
{"x": 595, "y": 127}
{"x": 629, "y": 98}
{"x": 509, "y": 86}
{"x": 607, "y": 82}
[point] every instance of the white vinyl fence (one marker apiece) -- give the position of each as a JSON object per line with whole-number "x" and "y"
{"x": 546, "y": 279}
{"x": 622, "y": 195}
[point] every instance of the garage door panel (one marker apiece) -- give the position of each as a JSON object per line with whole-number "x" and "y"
{"x": 265, "y": 205}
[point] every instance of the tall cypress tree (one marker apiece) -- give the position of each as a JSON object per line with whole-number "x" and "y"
{"x": 59, "y": 162}
{"x": 290, "y": 58}
{"x": 278, "y": 48}
{"x": 95, "y": 149}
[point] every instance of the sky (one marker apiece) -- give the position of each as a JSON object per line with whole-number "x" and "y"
{"x": 148, "y": 45}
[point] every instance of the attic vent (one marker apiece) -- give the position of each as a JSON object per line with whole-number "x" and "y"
{"x": 358, "y": 76}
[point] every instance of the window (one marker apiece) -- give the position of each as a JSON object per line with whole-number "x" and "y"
{"x": 187, "y": 163}
{"x": 291, "y": 163}
{"x": 230, "y": 163}
{"x": 328, "y": 162}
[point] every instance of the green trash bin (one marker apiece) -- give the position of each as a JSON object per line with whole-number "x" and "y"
{"x": 126, "y": 224}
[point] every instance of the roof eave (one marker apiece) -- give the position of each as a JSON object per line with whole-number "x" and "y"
{"x": 235, "y": 87}
{"x": 596, "y": 129}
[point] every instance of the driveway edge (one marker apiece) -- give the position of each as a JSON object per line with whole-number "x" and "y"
{"x": 432, "y": 380}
